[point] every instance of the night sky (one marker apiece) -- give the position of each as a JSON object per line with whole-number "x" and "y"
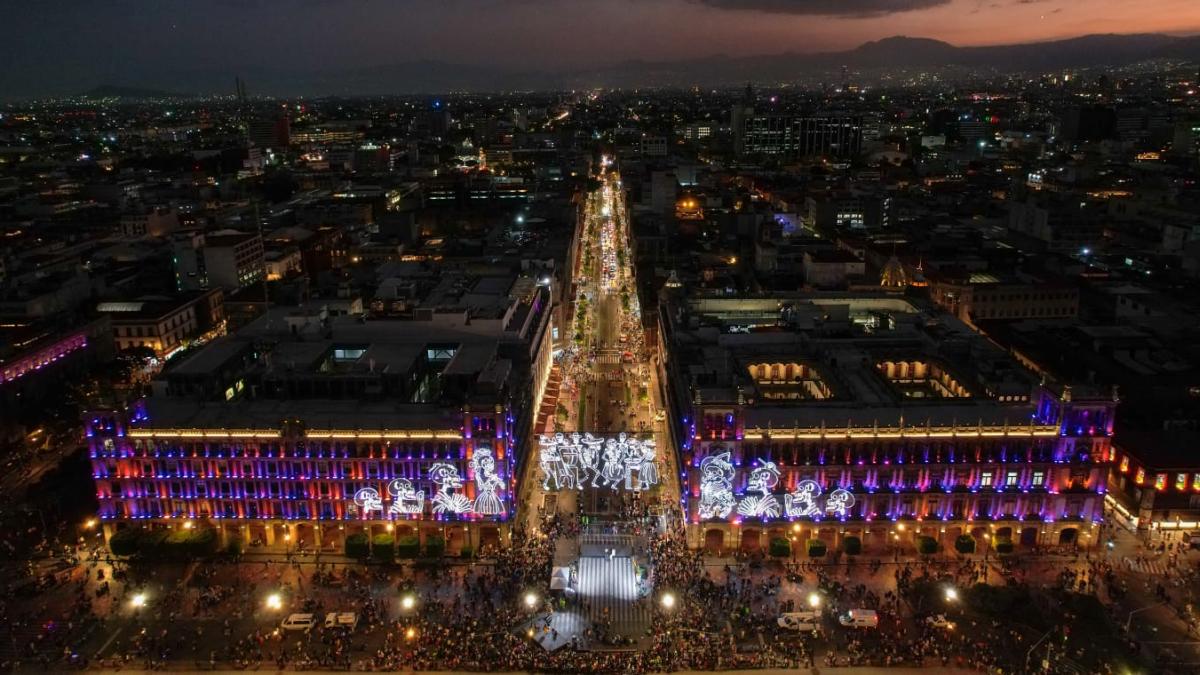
{"x": 63, "y": 46}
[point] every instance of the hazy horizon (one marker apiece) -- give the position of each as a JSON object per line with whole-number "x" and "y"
{"x": 66, "y": 46}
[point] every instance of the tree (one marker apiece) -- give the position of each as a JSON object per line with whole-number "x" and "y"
{"x": 124, "y": 542}
{"x": 851, "y": 545}
{"x": 965, "y": 544}
{"x": 409, "y": 547}
{"x": 435, "y": 547}
{"x": 382, "y": 547}
{"x": 358, "y": 546}
{"x": 816, "y": 548}
{"x": 780, "y": 547}
{"x": 927, "y": 545}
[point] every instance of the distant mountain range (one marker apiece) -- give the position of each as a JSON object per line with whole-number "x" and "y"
{"x": 894, "y": 53}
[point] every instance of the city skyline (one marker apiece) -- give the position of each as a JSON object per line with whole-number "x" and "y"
{"x": 64, "y": 48}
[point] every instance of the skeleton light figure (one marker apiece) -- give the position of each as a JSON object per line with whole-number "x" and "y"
{"x": 550, "y": 461}
{"x": 716, "y": 487}
{"x": 446, "y": 477}
{"x": 368, "y": 500}
{"x": 802, "y": 502}
{"x": 648, "y": 471}
{"x": 762, "y": 480}
{"x": 839, "y": 502}
{"x": 487, "y": 483}
{"x": 406, "y": 500}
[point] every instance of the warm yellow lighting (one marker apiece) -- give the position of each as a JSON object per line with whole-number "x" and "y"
{"x": 531, "y": 600}
{"x": 391, "y": 527}
{"x": 410, "y": 633}
{"x": 187, "y": 524}
{"x": 275, "y": 601}
{"x": 814, "y": 600}
{"x": 668, "y": 600}
{"x": 408, "y": 602}
{"x": 138, "y": 600}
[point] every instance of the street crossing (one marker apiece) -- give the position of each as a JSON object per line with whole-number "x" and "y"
{"x": 608, "y": 589}
{"x": 1156, "y": 567}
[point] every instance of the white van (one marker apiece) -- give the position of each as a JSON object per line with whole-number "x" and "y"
{"x": 347, "y": 620}
{"x": 802, "y": 622}
{"x": 860, "y": 618}
{"x": 303, "y": 622}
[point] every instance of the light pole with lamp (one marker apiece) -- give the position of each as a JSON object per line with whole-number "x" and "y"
{"x": 1129, "y": 619}
{"x": 987, "y": 548}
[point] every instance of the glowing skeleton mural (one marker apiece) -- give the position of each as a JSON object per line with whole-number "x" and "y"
{"x": 716, "y": 487}
{"x": 406, "y": 499}
{"x": 717, "y": 500}
{"x": 802, "y": 502}
{"x": 839, "y": 502}
{"x": 446, "y": 477}
{"x": 575, "y": 462}
{"x": 487, "y": 483}
{"x": 368, "y": 500}
{"x": 762, "y": 480}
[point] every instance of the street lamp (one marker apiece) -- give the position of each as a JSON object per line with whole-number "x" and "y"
{"x": 408, "y": 602}
{"x": 951, "y": 594}
{"x": 275, "y": 602}
{"x": 531, "y": 600}
{"x": 814, "y": 600}
{"x": 138, "y": 600}
{"x": 1129, "y": 619}
{"x": 187, "y": 524}
{"x": 668, "y": 600}
{"x": 89, "y": 523}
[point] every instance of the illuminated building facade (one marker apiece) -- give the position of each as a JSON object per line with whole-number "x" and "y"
{"x": 303, "y": 427}
{"x": 1155, "y": 481}
{"x": 307, "y": 486}
{"x": 827, "y": 416}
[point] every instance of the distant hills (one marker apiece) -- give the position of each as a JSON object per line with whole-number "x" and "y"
{"x": 893, "y": 53}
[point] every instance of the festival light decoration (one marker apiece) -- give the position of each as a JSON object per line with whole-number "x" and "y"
{"x": 802, "y": 502}
{"x": 716, "y": 487}
{"x": 487, "y": 483}
{"x": 446, "y": 477}
{"x": 406, "y": 500}
{"x": 577, "y": 461}
{"x": 762, "y": 480}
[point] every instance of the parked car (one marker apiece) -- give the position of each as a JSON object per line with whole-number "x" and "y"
{"x": 860, "y": 618}
{"x": 801, "y": 622}
{"x": 346, "y": 620}
{"x": 940, "y": 621}
{"x": 300, "y": 622}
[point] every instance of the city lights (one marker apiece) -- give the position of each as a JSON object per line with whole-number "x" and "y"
{"x": 275, "y": 601}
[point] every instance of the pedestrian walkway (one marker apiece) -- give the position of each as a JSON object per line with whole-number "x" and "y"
{"x": 1157, "y": 567}
{"x": 609, "y": 592}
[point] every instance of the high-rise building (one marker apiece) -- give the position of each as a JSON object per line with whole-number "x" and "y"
{"x": 788, "y": 136}
{"x": 269, "y": 132}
